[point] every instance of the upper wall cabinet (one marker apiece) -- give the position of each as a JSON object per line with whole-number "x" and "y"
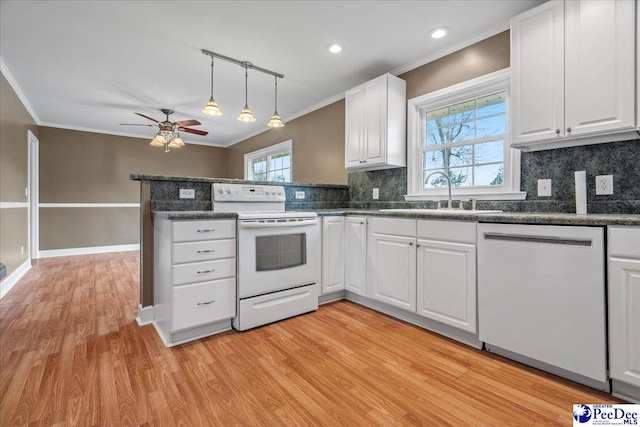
{"x": 375, "y": 124}
{"x": 572, "y": 73}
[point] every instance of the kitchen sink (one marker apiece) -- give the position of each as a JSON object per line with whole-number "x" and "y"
{"x": 441, "y": 211}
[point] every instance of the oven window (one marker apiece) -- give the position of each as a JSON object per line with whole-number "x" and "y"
{"x": 280, "y": 251}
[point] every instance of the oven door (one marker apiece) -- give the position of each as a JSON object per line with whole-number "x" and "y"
{"x": 277, "y": 254}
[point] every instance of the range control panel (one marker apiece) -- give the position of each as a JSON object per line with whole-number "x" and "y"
{"x": 222, "y": 192}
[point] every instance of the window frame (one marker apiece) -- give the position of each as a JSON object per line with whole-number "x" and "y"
{"x": 471, "y": 89}
{"x": 280, "y": 148}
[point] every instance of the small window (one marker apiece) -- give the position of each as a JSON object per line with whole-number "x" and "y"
{"x": 463, "y": 131}
{"x": 271, "y": 164}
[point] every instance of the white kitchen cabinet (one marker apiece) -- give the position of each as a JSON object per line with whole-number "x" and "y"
{"x": 375, "y": 124}
{"x": 392, "y": 262}
{"x": 332, "y": 254}
{"x": 446, "y": 278}
{"x": 572, "y": 73}
{"x": 356, "y": 254}
{"x": 624, "y": 304}
{"x": 194, "y": 278}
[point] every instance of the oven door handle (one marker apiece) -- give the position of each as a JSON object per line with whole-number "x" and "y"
{"x": 256, "y": 224}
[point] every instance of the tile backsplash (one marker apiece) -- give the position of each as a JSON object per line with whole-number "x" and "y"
{"x": 620, "y": 159}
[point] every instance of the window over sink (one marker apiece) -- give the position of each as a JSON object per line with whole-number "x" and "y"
{"x": 272, "y": 164}
{"x": 463, "y": 131}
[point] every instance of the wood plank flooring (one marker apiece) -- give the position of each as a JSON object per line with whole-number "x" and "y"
{"x": 71, "y": 353}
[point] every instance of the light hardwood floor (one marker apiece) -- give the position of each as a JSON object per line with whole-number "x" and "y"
{"x": 71, "y": 353}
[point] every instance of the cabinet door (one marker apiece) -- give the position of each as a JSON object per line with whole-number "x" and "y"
{"x": 356, "y": 255}
{"x": 447, "y": 283}
{"x": 394, "y": 270}
{"x": 354, "y": 127}
{"x": 332, "y": 254}
{"x": 375, "y": 121}
{"x": 537, "y": 74}
{"x": 624, "y": 320}
{"x": 599, "y": 66}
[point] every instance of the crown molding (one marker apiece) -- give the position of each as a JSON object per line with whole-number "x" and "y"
{"x": 16, "y": 88}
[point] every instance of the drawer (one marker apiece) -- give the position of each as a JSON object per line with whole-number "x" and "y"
{"x": 203, "y": 251}
{"x": 203, "y": 303}
{"x": 201, "y": 271}
{"x": 186, "y": 231}
{"x": 624, "y": 241}
{"x": 394, "y": 226}
{"x": 448, "y": 231}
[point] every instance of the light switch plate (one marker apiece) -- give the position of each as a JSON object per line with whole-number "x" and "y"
{"x": 187, "y": 193}
{"x": 299, "y": 194}
{"x": 544, "y": 188}
{"x": 604, "y": 185}
{"x": 376, "y": 193}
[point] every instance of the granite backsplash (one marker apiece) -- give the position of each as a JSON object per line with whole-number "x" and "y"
{"x": 620, "y": 159}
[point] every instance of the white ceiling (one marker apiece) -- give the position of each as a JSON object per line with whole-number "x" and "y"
{"x": 91, "y": 64}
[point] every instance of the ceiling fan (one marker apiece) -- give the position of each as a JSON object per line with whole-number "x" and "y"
{"x": 168, "y": 135}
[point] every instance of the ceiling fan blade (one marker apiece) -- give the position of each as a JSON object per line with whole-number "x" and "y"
{"x": 190, "y": 122}
{"x": 135, "y": 124}
{"x": 147, "y": 117}
{"x": 195, "y": 131}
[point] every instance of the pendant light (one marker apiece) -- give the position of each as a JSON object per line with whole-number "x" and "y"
{"x": 158, "y": 141}
{"x": 212, "y": 108}
{"x": 276, "y": 121}
{"x": 246, "y": 115}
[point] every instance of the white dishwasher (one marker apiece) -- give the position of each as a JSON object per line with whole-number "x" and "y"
{"x": 541, "y": 298}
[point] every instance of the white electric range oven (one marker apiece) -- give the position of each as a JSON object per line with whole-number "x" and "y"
{"x": 278, "y": 254}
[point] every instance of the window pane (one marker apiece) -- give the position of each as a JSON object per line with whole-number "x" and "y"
{"x": 492, "y": 104}
{"x": 489, "y": 152}
{"x": 460, "y": 177}
{"x": 462, "y": 112}
{"x": 489, "y": 174}
{"x": 437, "y": 118}
{"x": 286, "y": 161}
{"x": 433, "y": 159}
{"x": 286, "y": 173}
{"x": 260, "y": 177}
{"x": 462, "y": 132}
{"x": 435, "y": 181}
{"x": 460, "y": 156}
{"x": 278, "y": 163}
{"x": 492, "y": 126}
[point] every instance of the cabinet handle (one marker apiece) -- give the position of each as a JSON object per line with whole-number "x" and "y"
{"x": 418, "y": 245}
{"x": 206, "y": 231}
{"x": 410, "y": 243}
{"x": 569, "y": 129}
{"x": 207, "y": 303}
{"x": 361, "y": 222}
{"x": 205, "y": 271}
{"x": 206, "y": 251}
{"x": 558, "y": 131}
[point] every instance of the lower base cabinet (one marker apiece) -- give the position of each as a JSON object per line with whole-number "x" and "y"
{"x": 355, "y": 247}
{"x": 393, "y": 260}
{"x": 332, "y": 254}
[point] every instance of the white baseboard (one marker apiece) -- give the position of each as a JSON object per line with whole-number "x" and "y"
{"x": 9, "y": 281}
{"x": 145, "y": 315}
{"x": 87, "y": 251}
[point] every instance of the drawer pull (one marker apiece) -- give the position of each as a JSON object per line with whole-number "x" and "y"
{"x": 206, "y": 251}
{"x": 206, "y": 230}
{"x": 207, "y": 303}
{"x": 205, "y": 271}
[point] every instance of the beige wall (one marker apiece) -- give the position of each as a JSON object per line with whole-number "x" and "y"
{"x": 85, "y": 167}
{"x": 318, "y": 137}
{"x": 318, "y": 146}
{"x": 15, "y": 121}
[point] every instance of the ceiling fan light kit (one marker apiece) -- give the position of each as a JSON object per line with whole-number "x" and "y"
{"x": 245, "y": 115}
{"x": 168, "y": 135}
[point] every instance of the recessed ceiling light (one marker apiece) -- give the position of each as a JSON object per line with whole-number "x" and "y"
{"x": 438, "y": 33}
{"x": 335, "y": 48}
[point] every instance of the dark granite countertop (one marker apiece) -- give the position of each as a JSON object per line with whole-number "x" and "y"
{"x": 149, "y": 177}
{"x": 505, "y": 217}
{"x": 177, "y": 215}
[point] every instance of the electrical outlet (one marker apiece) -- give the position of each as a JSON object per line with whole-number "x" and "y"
{"x": 376, "y": 193}
{"x": 544, "y": 188}
{"x": 299, "y": 194}
{"x": 21, "y": 250}
{"x": 187, "y": 193}
{"x": 604, "y": 185}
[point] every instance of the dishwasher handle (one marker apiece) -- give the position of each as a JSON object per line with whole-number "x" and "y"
{"x": 550, "y": 240}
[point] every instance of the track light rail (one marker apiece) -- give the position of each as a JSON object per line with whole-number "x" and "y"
{"x": 243, "y": 64}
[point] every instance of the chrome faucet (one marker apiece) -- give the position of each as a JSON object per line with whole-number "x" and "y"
{"x": 426, "y": 180}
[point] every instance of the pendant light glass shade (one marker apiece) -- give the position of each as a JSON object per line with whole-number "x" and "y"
{"x": 276, "y": 121}
{"x": 158, "y": 141}
{"x": 212, "y": 109}
{"x": 176, "y": 142}
{"x": 246, "y": 115}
